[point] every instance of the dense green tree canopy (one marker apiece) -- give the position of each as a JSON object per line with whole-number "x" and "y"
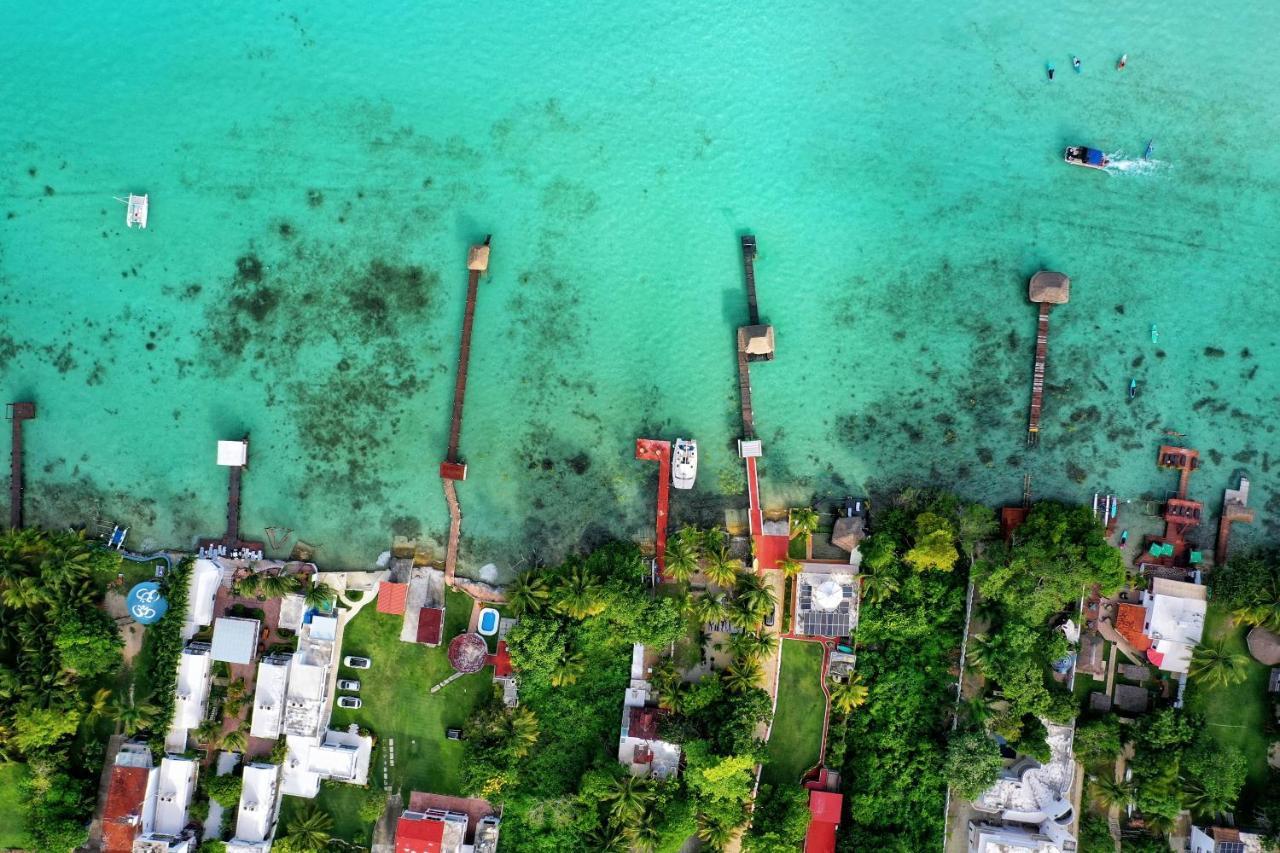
{"x": 973, "y": 763}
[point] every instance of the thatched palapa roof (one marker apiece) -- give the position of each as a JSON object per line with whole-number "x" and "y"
{"x": 478, "y": 258}
{"x": 848, "y": 532}
{"x": 755, "y": 340}
{"x": 1051, "y": 287}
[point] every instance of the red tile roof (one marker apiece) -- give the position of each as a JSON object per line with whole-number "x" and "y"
{"x": 1129, "y": 621}
{"x": 418, "y": 836}
{"x": 824, "y": 817}
{"x": 121, "y": 816}
{"x": 431, "y": 625}
{"x": 644, "y": 724}
{"x": 391, "y": 597}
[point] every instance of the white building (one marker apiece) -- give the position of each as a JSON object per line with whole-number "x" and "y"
{"x": 305, "y": 697}
{"x": 157, "y": 843}
{"x": 640, "y": 749}
{"x": 191, "y": 700}
{"x": 269, "y": 696}
{"x": 342, "y": 756}
{"x": 826, "y": 600}
{"x": 255, "y": 821}
{"x": 202, "y": 590}
{"x": 1217, "y": 839}
{"x": 235, "y": 639}
{"x": 175, "y": 786}
{"x": 1031, "y": 799}
{"x": 1174, "y": 622}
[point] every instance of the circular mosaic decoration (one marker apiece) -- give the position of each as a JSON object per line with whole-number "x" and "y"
{"x": 145, "y": 603}
{"x": 467, "y": 652}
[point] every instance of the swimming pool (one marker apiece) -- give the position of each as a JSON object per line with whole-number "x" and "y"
{"x": 488, "y": 622}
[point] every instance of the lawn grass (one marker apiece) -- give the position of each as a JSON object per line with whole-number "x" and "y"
{"x": 1235, "y": 715}
{"x": 398, "y": 703}
{"x": 13, "y": 833}
{"x": 797, "y": 728}
{"x": 339, "y": 801}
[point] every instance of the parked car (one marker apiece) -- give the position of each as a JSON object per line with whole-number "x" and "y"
{"x": 356, "y": 662}
{"x": 351, "y": 702}
{"x": 348, "y": 684}
{"x": 771, "y": 618}
{"x": 453, "y": 734}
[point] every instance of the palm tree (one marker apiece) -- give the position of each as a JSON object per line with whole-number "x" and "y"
{"x": 722, "y": 569}
{"x": 567, "y": 669}
{"x": 24, "y": 593}
{"x": 134, "y": 716}
{"x": 579, "y": 594}
{"x": 1207, "y": 801}
{"x": 878, "y": 587}
{"x": 319, "y": 596}
{"x": 1219, "y": 667}
{"x": 803, "y": 522}
{"x": 65, "y": 565}
{"x": 755, "y": 596}
{"x": 278, "y": 584}
{"x": 234, "y": 741}
{"x": 247, "y": 586}
{"x": 790, "y": 568}
{"x": 743, "y": 646}
{"x": 849, "y": 694}
{"x": 208, "y": 730}
{"x": 608, "y": 838}
{"x": 717, "y": 835}
{"x": 1112, "y": 794}
{"x": 309, "y": 829}
{"x": 713, "y": 539}
{"x": 628, "y": 798}
{"x": 524, "y": 729}
{"x": 643, "y": 834}
{"x": 978, "y": 653}
{"x": 709, "y": 609}
{"x": 681, "y": 557}
{"x": 99, "y": 705}
{"x": 528, "y": 593}
{"x": 742, "y": 676}
{"x": 1263, "y": 608}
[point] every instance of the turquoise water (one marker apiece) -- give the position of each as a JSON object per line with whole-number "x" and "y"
{"x": 317, "y": 171}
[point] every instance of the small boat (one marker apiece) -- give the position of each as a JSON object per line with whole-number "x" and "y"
{"x": 135, "y": 212}
{"x": 1091, "y": 158}
{"x": 1151, "y": 146}
{"x": 1122, "y": 62}
{"x": 1049, "y": 70}
{"x": 1155, "y": 336}
{"x": 684, "y": 463}
{"x": 1124, "y": 537}
{"x": 1133, "y": 388}
{"x": 1075, "y": 63}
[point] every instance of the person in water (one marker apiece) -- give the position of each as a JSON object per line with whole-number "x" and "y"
{"x": 1124, "y": 60}
{"x": 1075, "y": 62}
{"x": 1050, "y": 72}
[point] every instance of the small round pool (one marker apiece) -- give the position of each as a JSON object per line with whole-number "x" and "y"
{"x": 488, "y": 622}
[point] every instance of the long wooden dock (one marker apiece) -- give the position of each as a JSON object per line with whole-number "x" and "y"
{"x": 1037, "y": 376}
{"x": 744, "y": 396}
{"x": 17, "y": 413}
{"x": 749, "y": 268}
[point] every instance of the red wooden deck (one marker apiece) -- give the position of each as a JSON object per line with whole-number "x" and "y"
{"x": 653, "y": 450}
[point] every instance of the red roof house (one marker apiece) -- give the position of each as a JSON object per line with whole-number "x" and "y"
{"x": 643, "y": 724}
{"x": 416, "y": 835}
{"x": 391, "y": 597}
{"x": 122, "y": 816}
{"x": 431, "y": 625}
{"x": 1129, "y": 621}
{"x": 824, "y": 818}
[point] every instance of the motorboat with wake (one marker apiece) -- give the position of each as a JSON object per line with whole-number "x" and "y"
{"x": 1090, "y": 158}
{"x": 684, "y": 463}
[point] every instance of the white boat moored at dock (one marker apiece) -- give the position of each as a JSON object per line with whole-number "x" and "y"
{"x": 684, "y": 463}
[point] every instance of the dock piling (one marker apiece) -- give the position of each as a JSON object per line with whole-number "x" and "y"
{"x": 17, "y": 413}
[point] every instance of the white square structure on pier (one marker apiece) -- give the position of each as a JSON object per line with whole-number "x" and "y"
{"x": 234, "y": 454}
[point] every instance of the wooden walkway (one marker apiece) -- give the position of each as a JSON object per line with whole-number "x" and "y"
{"x": 653, "y": 450}
{"x": 1037, "y": 377}
{"x": 744, "y": 395}
{"x": 464, "y": 362}
{"x": 455, "y": 530}
{"x": 17, "y": 412}
{"x": 749, "y": 268}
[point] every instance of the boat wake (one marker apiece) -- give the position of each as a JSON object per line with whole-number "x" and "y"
{"x": 1120, "y": 165}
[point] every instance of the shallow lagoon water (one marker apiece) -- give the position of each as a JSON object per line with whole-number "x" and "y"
{"x": 317, "y": 171}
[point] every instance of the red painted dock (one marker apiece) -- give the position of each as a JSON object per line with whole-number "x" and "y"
{"x": 753, "y": 497}
{"x": 17, "y": 413}
{"x": 653, "y": 450}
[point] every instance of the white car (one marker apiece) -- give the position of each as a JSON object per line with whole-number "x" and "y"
{"x": 350, "y": 702}
{"x": 356, "y": 662}
{"x": 349, "y": 684}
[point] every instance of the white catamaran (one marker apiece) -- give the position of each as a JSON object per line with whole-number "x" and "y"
{"x": 135, "y": 212}
{"x": 684, "y": 463}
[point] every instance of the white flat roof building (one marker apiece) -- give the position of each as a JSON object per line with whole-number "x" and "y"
{"x": 159, "y": 843}
{"x": 257, "y": 814}
{"x": 1001, "y": 838}
{"x": 202, "y": 590}
{"x": 342, "y": 756}
{"x": 234, "y": 639}
{"x": 176, "y": 784}
{"x": 1174, "y": 622}
{"x": 269, "y": 697}
{"x": 233, "y": 454}
{"x": 305, "y": 697}
{"x": 195, "y": 673}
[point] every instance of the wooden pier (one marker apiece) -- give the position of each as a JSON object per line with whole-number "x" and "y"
{"x": 17, "y": 413}
{"x": 1047, "y": 289}
{"x": 236, "y": 466}
{"x": 453, "y": 468}
{"x": 1235, "y": 507}
{"x": 749, "y": 269}
{"x": 653, "y": 450}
